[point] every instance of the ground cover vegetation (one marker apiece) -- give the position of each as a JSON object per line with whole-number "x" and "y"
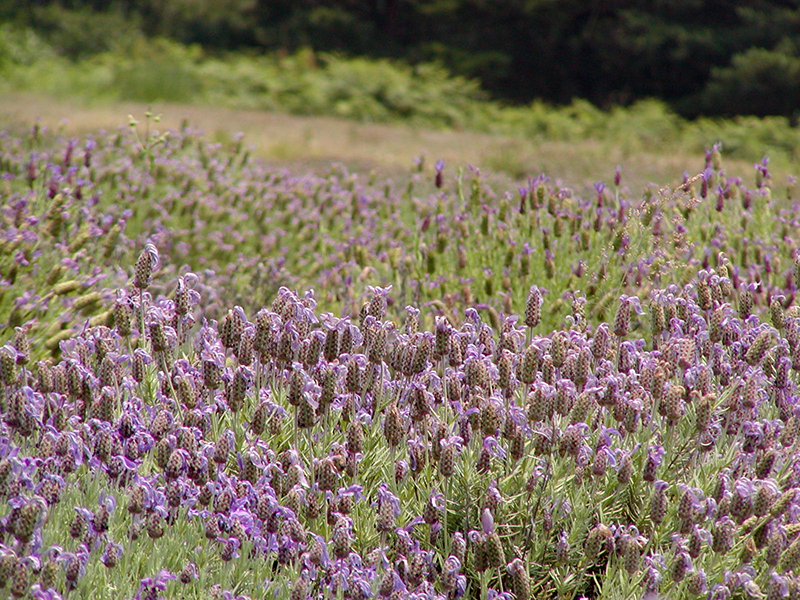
{"x": 221, "y": 379}
{"x": 224, "y": 379}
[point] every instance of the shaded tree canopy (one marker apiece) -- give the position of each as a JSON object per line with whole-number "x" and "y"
{"x": 702, "y": 56}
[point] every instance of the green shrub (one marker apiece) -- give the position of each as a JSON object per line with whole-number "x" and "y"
{"x": 22, "y": 48}
{"x": 745, "y": 137}
{"x": 758, "y": 82}
{"x": 83, "y": 33}
{"x": 158, "y": 70}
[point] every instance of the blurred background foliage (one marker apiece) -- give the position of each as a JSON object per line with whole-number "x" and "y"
{"x": 702, "y": 57}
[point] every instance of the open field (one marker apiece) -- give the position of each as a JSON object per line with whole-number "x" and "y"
{"x": 228, "y": 373}
{"x": 313, "y": 142}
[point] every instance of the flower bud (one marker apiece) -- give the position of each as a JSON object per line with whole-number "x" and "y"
{"x": 146, "y": 263}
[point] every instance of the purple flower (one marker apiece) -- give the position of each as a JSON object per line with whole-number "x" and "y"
{"x": 600, "y": 187}
{"x": 230, "y": 548}
{"x": 656, "y": 454}
{"x": 778, "y": 586}
{"x": 384, "y": 495}
{"x": 111, "y": 553}
{"x": 487, "y": 521}
{"x": 151, "y": 587}
{"x": 708, "y": 174}
{"x": 109, "y": 502}
{"x": 454, "y": 440}
{"x": 660, "y": 485}
{"x": 762, "y": 173}
{"x": 81, "y": 556}
{"x": 720, "y": 591}
{"x": 491, "y": 445}
{"x": 606, "y": 433}
{"x": 40, "y": 594}
{"x": 439, "y": 167}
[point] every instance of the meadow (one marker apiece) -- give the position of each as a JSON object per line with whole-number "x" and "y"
{"x": 229, "y": 375}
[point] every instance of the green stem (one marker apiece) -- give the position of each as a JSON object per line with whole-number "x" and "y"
{"x": 392, "y": 478}
{"x": 141, "y": 318}
{"x": 310, "y": 456}
{"x": 294, "y": 430}
{"x": 163, "y": 360}
{"x": 442, "y": 367}
{"x": 445, "y": 532}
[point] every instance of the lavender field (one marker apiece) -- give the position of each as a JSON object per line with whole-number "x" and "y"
{"x": 223, "y": 380}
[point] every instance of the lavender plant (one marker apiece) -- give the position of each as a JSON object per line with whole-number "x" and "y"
{"x": 194, "y": 431}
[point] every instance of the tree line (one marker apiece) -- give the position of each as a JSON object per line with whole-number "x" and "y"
{"x": 703, "y": 57}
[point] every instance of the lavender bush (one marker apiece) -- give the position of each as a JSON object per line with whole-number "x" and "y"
{"x": 528, "y": 395}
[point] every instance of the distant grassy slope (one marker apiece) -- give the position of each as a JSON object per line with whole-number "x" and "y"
{"x": 307, "y": 142}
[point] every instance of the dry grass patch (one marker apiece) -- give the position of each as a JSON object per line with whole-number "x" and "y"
{"x": 302, "y": 142}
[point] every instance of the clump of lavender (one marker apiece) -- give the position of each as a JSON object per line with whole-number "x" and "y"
{"x": 427, "y": 439}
